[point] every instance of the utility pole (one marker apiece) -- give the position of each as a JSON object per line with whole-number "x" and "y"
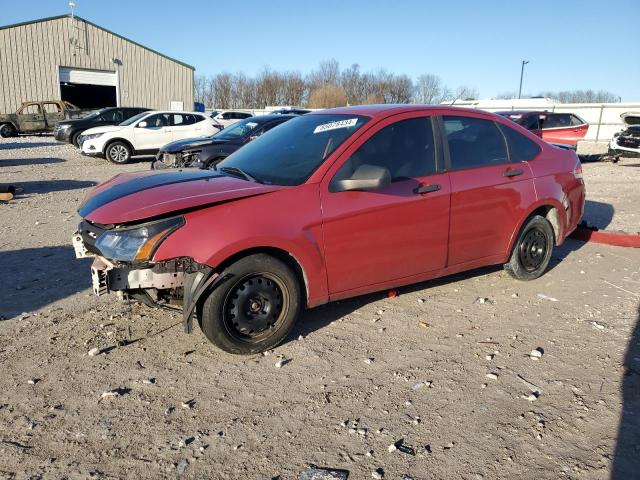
{"x": 524, "y": 62}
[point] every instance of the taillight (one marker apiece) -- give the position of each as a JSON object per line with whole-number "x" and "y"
{"x": 577, "y": 171}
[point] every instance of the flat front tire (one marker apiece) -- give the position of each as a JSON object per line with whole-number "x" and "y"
{"x": 7, "y": 130}
{"x": 118, "y": 152}
{"x": 532, "y": 250}
{"x": 255, "y": 309}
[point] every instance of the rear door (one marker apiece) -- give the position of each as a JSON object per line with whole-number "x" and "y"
{"x": 394, "y": 232}
{"x": 52, "y": 113}
{"x": 489, "y": 193}
{"x": 30, "y": 118}
{"x": 182, "y": 126}
{"x": 564, "y": 128}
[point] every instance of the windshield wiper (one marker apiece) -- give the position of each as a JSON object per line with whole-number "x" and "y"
{"x": 238, "y": 172}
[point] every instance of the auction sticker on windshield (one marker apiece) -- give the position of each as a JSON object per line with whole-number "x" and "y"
{"x": 335, "y": 125}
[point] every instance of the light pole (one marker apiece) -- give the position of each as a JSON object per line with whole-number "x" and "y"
{"x": 524, "y": 62}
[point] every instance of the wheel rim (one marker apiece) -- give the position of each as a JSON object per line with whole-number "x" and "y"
{"x": 5, "y": 130}
{"x": 255, "y": 307}
{"x": 533, "y": 249}
{"x": 118, "y": 153}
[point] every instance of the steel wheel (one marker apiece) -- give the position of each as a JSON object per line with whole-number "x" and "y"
{"x": 255, "y": 307}
{"x": 533, "y": 249}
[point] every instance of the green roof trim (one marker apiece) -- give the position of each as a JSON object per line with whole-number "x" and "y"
{"x": 58, "y": 17}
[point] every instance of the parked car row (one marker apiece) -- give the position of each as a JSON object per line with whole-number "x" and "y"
{"x": 209, "y": 151}
{"x": 327, "y": 206}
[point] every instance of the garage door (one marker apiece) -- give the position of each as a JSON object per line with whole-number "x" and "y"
{"x": 87, "y": 77}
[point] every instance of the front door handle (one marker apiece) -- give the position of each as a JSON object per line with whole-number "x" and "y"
{"x": 428, "y": 188}
{"x": 513, "y": 173}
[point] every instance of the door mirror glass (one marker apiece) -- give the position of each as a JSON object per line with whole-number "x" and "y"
{"x": 365, "y": 177}
{"x": 142, "y": 124}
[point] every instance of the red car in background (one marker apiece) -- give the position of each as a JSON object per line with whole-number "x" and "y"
{"x": 560, "y": 128}
{"x": 331, "y": 205}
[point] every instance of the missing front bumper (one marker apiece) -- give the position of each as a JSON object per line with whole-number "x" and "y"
{"x": 106, "y": 278}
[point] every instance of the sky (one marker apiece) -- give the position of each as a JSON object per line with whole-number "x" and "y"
{"x": 570, "y": 44}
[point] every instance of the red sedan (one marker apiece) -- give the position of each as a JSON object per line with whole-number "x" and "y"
{"x": 330, "y": 205}
{"x": 560, "y": 128}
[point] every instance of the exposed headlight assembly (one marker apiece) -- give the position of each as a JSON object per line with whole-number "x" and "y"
{"x": 136, "y": 243}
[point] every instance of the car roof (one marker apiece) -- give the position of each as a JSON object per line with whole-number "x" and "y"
{"x": 179, "y": 112}
{"x": 267, "y": 118}
{"x": 384, "y": 110}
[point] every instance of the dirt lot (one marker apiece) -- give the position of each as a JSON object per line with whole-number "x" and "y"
{"x": 363, "y": 374}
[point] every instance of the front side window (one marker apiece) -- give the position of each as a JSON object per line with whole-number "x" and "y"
{"x": 576, "y": 121}
{"x": 405, "y": 148}
{"x": 292, "y": 152}
{"x": 521, "y": 148}
{"x": 474, "y": 142}
{"x": 159, "y": 120}
{"x": 33, "y": 109}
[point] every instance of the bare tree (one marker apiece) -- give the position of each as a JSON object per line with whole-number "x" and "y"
{"x": 328, "y": 96}
{"x": 428, "y": 89}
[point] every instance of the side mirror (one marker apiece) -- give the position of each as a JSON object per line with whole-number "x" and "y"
{"x": 142, "y": 124}
{"x": 365, "y": 177}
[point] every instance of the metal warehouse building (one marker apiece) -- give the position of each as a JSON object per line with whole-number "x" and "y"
{"x": 72, "y": 59}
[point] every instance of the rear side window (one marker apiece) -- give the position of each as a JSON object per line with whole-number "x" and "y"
{"x": 52, "y": 108}
{"x": 521, "y": 148}
{"x": 531, "y": 122}
{"x": 575, "y": 121}
{"x": 557, "y": 120}
{"x": 474, "y": 142}
{"x": 405, "y": 148}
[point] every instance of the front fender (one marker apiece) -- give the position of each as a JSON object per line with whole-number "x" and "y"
{"x": 286, "y": 220}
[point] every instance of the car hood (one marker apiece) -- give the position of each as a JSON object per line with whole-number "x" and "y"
{"x": 131, "y": 197}
{"x": 631, "y": 118}
{"x": 103, "y": 129}
{"x": 180, "y": 145}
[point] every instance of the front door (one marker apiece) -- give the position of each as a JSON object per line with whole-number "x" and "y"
{"x": 31, "y": 118}
{"x": 488, "y": 192}
{"x": 156, "y": 132}
{"x": 398, "y": 231}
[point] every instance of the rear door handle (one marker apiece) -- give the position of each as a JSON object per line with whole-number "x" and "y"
{"x": 428, "y": 188}
{"x": 513, "y": 173}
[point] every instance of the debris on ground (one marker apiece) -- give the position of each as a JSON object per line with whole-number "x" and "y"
{"x": 116, "y": 392}
{"x": 320, "y": 473}
{"x": 546, "y": 297}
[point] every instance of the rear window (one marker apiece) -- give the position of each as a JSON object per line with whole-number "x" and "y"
{"x": 521, "y": 148}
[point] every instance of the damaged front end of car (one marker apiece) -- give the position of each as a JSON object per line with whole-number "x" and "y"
{"x": 184, "y": 159}
{"x": 122, "y": 260}
{"x": 626, "y": 143}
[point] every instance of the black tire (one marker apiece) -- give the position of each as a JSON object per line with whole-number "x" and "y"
{"x": 74, "y": 139}
{"x": 7, "y": 130}
{"x": 212, "y": 162}
{"x": 532, "y": 250}
{"x": 255, "y": 309}
{"x": 118, "y": 152}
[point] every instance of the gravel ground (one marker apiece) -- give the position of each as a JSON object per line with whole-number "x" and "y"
{"x": 446, "y": 367}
